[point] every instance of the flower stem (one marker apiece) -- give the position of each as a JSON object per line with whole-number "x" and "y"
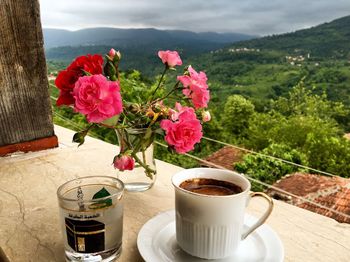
{"x": 115, "y": 126}
{"x": 172, "y": 90}
{"x": 160, "y": 81}
{"x": 135, "y": 149}
{"x": 149, "y": 171}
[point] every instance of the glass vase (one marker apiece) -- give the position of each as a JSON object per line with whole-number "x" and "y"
{"x": 140, "y": 143}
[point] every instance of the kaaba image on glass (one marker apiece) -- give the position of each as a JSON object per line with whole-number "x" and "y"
{"x": 85, "y": 236}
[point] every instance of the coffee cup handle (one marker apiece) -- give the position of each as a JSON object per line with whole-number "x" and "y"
{"x": 263, "y": 217}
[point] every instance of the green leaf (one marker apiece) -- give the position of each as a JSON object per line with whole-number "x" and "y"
{"x": 114, "y": 78}
{"x": 110, "y": 69}
{"x": 101, "y": 204}
{"x": 86, "y": 73}
{"x": 148, "y": 134}
{"x": 159, "y": 131}
{"x": 112, "y": 121}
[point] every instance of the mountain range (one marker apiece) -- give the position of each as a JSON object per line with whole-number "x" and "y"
{"x": 139, "y": 46}
{"x": 134, "y": 37}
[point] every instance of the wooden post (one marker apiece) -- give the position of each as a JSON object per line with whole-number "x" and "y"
{"x": 25, "y": 107}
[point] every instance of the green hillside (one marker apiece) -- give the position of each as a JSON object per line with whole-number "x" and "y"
{"x": 323, "y": 41}
{"x": 268, "y": 67}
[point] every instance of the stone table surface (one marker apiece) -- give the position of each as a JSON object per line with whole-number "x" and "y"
{"x": 29, "y": 225}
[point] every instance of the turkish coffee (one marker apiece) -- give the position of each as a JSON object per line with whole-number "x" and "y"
{"x": 208, "y": 186}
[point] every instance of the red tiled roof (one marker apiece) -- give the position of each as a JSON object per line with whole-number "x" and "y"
{"x": 331, "y": 192}
{"x": 225, "y": 157}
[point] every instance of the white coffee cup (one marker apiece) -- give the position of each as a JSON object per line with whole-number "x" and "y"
{"x": 209, "y": 226}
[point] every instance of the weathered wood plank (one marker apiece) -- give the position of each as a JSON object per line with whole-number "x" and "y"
{"x": 25, "y": 108}
{"x": 35, "y": 145}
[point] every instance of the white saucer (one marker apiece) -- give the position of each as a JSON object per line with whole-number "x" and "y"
{"x": 156, "y": 242}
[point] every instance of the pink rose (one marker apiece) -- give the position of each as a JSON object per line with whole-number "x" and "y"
{"x": 174, "y": 114}
{"x": 194, "y": 77}
{"x": 171, "y": 58}
{"x": 200, "y": 96}
{"x": 206, "y": 116}
{"x": 97, "y": 98}
{"x": 124, "y": 162}
{"x": 195, "y": 87}
{"x": 185, "y": 110}
{"x": 184, "y": 133}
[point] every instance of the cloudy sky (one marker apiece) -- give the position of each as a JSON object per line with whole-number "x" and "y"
{"x": 259, "y": 17}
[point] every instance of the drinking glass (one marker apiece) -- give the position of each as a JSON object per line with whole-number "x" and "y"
{"x": 91, "y": 217}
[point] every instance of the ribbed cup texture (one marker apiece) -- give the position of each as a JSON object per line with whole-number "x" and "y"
{"x": 206, "y": 241}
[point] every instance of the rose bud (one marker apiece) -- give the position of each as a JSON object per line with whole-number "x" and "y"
{"x": 112, "y": 53}
{"x": 117, "y": 56}
{"x": 173, "y": 115}
{"x": 123, "y": 162}
{"x": 206, "y": 116}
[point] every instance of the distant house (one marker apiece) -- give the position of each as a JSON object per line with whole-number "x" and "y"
{"x": 225, "y": 157}
{"x": 331, "y": 192}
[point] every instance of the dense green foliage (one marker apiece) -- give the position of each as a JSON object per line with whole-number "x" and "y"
{"x": 237, "y": 114}
{"x": 269, "y": 170}
{"x": 300, "y": 128}
{"x": 261, "y": 81}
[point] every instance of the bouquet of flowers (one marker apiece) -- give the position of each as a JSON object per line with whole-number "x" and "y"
{"x": 92, "y": 86}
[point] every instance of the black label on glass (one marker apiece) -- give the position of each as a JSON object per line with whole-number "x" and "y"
{"x": 85, "y": 236}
